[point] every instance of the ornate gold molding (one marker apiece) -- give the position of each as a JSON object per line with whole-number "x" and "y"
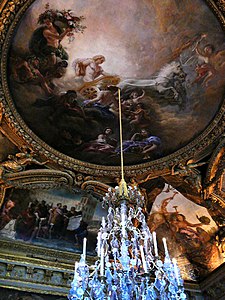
{"x": 35, "y": 179}
{"x": 221, "y": 5}
{"x": 213, "y": 286}
{"x": 215, "y": 171}
{"x": 37, "y": 269}
{"x": 35, "y": 275}
{"x": 218, "y": 199}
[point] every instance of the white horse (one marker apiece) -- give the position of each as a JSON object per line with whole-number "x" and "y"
{"x": 164, "y": 81}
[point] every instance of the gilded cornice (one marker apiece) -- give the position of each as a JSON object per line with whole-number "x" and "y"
{"x": 216, "y": 168}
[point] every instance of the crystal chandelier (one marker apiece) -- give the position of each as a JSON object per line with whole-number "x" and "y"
{"x": 128, "y": 266}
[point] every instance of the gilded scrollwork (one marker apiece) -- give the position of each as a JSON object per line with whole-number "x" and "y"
{"x": 220, "y": 236}
{"x": 147, "y": 169}
{"x": 7, "y": 16}
{"x": 95, "y": 186}
{"x": 215, "y": 171}
{"x": 221, "y": 5}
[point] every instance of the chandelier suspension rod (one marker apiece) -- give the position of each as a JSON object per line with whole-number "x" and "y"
{"x": 122, "y": 186}
{"x": 121, "y": 136}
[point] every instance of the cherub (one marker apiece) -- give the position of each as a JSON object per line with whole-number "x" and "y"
{"x": 140, "y": 117}
{"x": 210, "y": 62}
{"x": 134, "y": 98}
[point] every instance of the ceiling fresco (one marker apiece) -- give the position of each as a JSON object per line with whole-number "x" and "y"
{"x": 65, "y": 68}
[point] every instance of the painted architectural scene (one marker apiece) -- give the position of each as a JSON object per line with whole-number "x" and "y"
{"x": 190, "y": 231}
{"x": 57, "y": 219}
{"x": 169, "y": 66}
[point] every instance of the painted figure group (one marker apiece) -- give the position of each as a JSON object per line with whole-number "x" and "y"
{"x": 192, "y": 239}
{"x": 93, "y": 102}
{"x": 42, "y": 220}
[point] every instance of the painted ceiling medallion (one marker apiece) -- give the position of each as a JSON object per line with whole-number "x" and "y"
{"x": 66, "y": 61}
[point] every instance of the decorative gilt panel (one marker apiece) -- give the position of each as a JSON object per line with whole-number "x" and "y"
{"x": 214, "y": 180}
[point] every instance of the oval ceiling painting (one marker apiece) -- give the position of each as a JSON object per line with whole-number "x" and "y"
{"x": 68, "y": 58}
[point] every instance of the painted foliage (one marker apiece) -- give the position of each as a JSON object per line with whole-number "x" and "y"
{"x": 190, "y": 232}
{"x": 68, "y": 59}
{"x": 56, "y": 219}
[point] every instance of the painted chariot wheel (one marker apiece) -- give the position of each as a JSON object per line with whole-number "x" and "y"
{"x": 89, "y": 92}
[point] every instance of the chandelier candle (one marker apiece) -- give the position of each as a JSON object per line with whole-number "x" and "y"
{"x": 155, "y": 243}
{"x": 102, "y": 262}
{"x": 84, "y": 248}
{"x": 165, "y": 245}
{"x": 99, "y": 244}
{"x": 143, "y": 259}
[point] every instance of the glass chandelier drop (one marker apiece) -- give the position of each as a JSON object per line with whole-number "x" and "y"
{"x": 128, "y": 266}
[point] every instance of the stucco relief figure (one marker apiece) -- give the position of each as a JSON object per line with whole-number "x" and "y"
{"x": 18, "y": 163}
{"x": 80, "y": 179}
{"x": 190, "y": 173}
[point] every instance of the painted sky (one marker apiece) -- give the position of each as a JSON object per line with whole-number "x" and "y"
{"x": 137, "y": 37}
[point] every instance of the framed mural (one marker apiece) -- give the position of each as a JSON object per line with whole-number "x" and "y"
{"x": 190, "y": 232}
{"x": 66, "y": 62}
{"x": 55, "y": 219}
